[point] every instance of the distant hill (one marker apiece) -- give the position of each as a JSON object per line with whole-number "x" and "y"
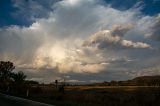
{"x": 147, "y": 78}
{"x": 138, "y": 81}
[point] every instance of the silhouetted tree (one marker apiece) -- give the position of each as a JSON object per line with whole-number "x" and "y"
{"x": 6, "y": 68}
{"x": 19, "y": 77}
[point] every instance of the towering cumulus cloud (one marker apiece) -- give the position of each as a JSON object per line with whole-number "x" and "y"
{"x": 113, "y": 39}
{"x": 80, "y": 37}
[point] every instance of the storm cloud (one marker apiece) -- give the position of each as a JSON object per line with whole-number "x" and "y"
{"x": 74, "y": 37}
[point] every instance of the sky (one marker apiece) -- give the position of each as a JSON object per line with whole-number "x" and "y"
{"x": 81, "y": 41}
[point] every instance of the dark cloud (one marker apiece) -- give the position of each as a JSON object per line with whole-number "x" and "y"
{"x": 120, "y": 30}
{"x": 30, "y": 10}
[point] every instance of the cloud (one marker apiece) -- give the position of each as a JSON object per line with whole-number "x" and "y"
{"x": 78, "y": 37}
{"x": 30, "y": 10}
{"x": 155, "y": 29}
{"x": 19, "y": 44}
{"x": 120, "y": 30}
{"x": 152, "y": 71}
{"x": 130, "y": 44}
{"x": 113, "y": 39}
{"x": 78, "y": 67}
{"x": 101, "y": 39}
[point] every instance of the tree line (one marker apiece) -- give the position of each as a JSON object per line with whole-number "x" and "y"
{"x": 12, "y": 82}
{"x": 7, "y": 75}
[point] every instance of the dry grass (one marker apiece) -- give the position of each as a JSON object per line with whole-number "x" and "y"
{"x": 113, "y": 88}
{"x": 94, "y": 95}
{"x": 101, "y": 96}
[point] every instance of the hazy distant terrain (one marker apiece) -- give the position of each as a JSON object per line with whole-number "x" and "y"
{"x": 139, "y": 93}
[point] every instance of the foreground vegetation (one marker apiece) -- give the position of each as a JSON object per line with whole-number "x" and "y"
{"x": 94, "y": 95}
{"x": 141, "y": 91}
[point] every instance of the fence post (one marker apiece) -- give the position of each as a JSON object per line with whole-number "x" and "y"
{"x": 27, "y": 93}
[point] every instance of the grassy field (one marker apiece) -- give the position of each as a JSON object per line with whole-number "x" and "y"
{"x": 114, "y": 89}
{"x": 98, "y": 95}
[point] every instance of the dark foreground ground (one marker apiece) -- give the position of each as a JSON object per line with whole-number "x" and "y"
{"x": 86, "y": 96}
{"x": 6, "y": 100}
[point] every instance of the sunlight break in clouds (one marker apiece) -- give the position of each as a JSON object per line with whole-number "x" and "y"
{"x": 82, "y": 36}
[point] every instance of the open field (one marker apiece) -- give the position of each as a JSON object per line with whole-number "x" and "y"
{"x": 114, "y": 93}
{"x": 85, "y": 95}
{"x": 111, "y": 88}
{"x": 100, "y": 96}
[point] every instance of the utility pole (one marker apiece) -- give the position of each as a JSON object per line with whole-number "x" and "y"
{"x": 56, "y": 82}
